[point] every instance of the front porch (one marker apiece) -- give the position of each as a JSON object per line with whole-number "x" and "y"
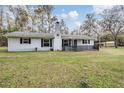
{"x": 73, "y": 45}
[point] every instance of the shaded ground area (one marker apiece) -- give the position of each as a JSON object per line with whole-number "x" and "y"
{"x": 104, "y": 68}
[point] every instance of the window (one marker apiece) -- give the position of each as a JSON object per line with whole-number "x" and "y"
{"x": 85, "y": 41}
{"x": 66, "y": 42}
{"x": 25, "y": 40}
{"x": 46, "y": 43}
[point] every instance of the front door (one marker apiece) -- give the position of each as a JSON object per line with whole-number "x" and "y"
{"x": 66, "y": 44}
{"x": 75, "y": 43}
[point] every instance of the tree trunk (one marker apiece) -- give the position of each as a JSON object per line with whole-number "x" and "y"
{"x": 99, "y": 42}
{"x": 49, "y": 23}
{"x": 16, "y": 24}
{"x": 105, "y": 44}
{"x": 49, "y": 28}
{"x": 1, "y": 21}
{"x": 42, "y": 23}
{"x": 32, "y": 26}
{"x": 116, "y": 43}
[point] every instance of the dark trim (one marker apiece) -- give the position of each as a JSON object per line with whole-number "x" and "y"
{"x": 29, "y": 40}
{"x": 69, "y": 42}
{"x": 88, "y": 41}
{"x": 20, "y": 40}
{"x": 85, "y": 41}
{"x": 41, "y": 42}
{"x": 50, "y": 42}
{"x": 62, "y": 43}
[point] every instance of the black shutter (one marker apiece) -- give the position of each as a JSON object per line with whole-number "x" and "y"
{"x": 69, "y": 42}
{"x": 83, "y": 41}
{"x": 42, "y": 42}
{"x": 29, "y": 40}
{"x": 88, "y": 41}
{"x": 62, "y": 42}
{"x": 50, "y": 42}
{"x": 20, "y": 40}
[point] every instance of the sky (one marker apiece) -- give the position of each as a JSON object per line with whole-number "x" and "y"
{"x": 74, "y": 15}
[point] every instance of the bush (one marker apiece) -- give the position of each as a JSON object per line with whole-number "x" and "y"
{"x": 96, "y": 46}
{"x": 3, "y": 41}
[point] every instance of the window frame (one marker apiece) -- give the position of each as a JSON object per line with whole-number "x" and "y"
{"x": 86, "y": 41}
{"x": 48, "y": 42}
{"x": 25, "y": 40}
{"x": 66, "y": 42}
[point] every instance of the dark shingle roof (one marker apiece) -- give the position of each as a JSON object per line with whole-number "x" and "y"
{"x": 44, "y": 35}
{"x": 30, "y": 34}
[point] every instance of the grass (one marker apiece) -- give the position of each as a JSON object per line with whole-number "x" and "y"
{"x": 104, "y": 68}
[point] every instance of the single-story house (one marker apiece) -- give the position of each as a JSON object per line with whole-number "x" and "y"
{"x": 38, "y": 41}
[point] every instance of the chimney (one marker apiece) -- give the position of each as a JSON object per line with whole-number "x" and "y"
{"x": 57, "y": 27}
{"x": 57, "y": 45}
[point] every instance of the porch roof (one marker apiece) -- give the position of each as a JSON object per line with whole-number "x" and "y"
{"x": 76, "y": 37}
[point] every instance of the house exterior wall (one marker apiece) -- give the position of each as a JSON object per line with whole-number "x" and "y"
{"x": 79, "y": 43}
{"x": 81, "y": 46}
{"x": 14, "y": 45}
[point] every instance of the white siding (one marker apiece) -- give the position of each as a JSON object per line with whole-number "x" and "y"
{"x": 79, "y": 43}
{"x": 14, "y": 45}
{"x": 57, "y": 43}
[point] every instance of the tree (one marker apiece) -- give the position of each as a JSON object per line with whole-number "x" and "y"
{"x": 91, "y": 26}
{"x": 63, "y": 27}
{"x": 113, "y": 22}
{"x": 22, "y": 19}
{"x": 40, "y": 12}
{"x": 20, "y": 16}
{"x": 32, "y": 18}
{"x": 8, "y": 22}
{"x": 3, "y": 40}
{"x": 1, "y": 18}
{"x": 74, "y": 32}
{"x": 14, "y": 10}
{"x": 48, "y": 10}
{"x": 53, "y": 22}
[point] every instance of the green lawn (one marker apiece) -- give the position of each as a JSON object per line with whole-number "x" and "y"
{"x": 104, "y": 68}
